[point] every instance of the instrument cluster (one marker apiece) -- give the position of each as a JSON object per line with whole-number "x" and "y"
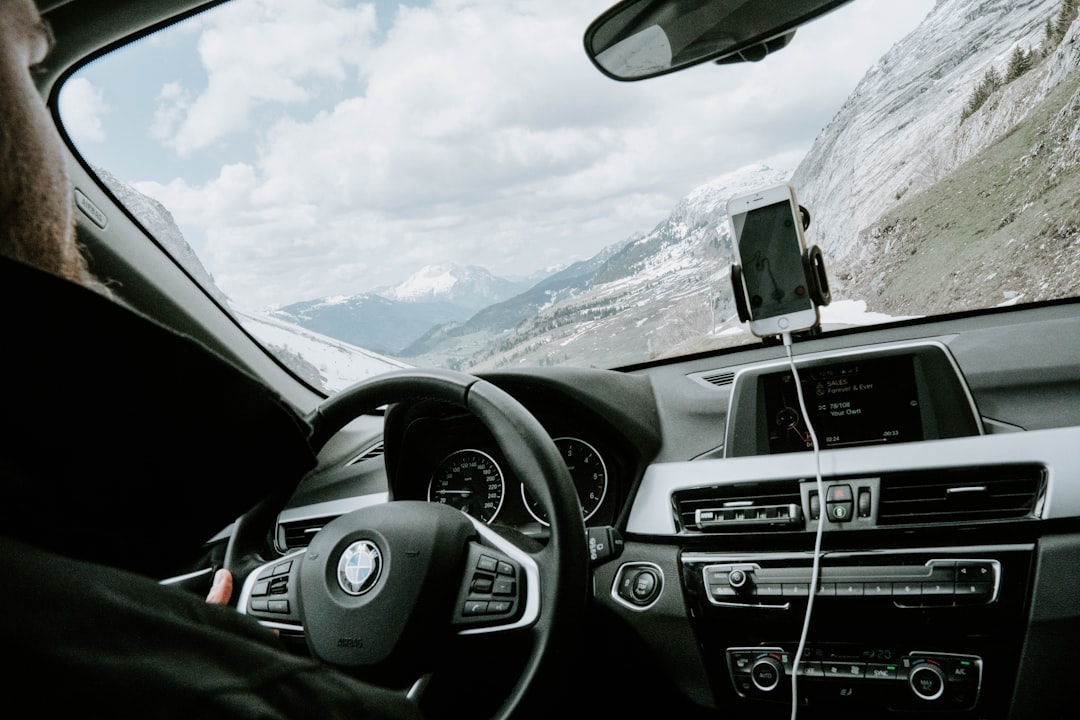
{"x": 454, "y": 461}
{"x": 474, "y": 482}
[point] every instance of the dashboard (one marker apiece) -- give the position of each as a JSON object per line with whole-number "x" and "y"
{"x": 947, "y": 493}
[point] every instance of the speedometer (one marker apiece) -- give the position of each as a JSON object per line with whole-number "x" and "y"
{"x": 470, "y": 481}
{"x": 587, "y": 470}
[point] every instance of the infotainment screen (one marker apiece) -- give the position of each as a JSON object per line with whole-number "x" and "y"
{"x": 864, "y": 402}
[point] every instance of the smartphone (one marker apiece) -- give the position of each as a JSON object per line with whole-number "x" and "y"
{"x": 769, "y": 248}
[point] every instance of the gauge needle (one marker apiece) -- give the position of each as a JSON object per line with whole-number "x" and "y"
{"x": 453, "y": 492}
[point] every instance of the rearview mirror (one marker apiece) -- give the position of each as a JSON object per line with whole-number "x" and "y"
{"x": 638, "y": 39}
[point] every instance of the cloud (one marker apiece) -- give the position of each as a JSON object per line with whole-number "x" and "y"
{"x": 474, "y": 132}
{"x": 82, "y": 105}
{"x": 262, "y": 52}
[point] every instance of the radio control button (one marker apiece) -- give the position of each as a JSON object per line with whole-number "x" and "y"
{"x": 849, "y": 589}
{"x": 877, "y": 589}
{"x": 974, "y": 571}
{"x": 722, "y": 591}
{"x": 907, "y": 589}
{"x": 937, "y": 589}
{"x": 974, "y": 592}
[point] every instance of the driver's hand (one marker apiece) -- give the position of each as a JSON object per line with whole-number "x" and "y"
{"x": 221, "y": 590}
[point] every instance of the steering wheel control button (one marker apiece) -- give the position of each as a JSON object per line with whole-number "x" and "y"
{"x": 359, "y": 567}
{"x": 638, "y": 585}
{"x": 493, "y": 593}
{"x": 475, "y": 607}
{"x": 278, "y": 606}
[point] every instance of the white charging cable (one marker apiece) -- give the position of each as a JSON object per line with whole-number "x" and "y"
{"x": 817, "y": 538}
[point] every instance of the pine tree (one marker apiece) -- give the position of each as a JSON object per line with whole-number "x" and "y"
{"x": 1066, "y": 15}
{"x": 990, "y": 82}
{"x": 1019, "y": 63}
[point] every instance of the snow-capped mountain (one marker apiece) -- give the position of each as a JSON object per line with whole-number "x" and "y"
{"x": 326, "y": 363}
{"x": 389, "y": 319}
{"x": 469, "y": 286}
{"x": 655, "y": 294}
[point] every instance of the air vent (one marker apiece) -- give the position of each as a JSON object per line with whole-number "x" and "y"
{"x": 719, "y": 379}
{"x": 373, "y": 452}
{"x": 740, "y": 508}
{"x": 962, "y": 496}
{"x": 298, "y": 534}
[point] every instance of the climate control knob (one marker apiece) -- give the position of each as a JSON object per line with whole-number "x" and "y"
{"x": 927, "y": 680}
{"x": 766, "y": 673}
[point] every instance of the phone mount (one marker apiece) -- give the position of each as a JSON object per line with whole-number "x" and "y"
{"x": 817, "y": 281}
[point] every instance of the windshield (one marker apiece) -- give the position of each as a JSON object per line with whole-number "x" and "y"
{"x": 371, "y": 185}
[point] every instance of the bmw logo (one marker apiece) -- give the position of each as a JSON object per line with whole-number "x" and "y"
{"x": 359, "y": 567}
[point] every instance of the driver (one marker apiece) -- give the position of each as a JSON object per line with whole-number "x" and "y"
{"x": 125, "y": 444}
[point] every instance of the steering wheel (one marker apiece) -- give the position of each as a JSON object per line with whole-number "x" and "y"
{"x": 382, "y": 589}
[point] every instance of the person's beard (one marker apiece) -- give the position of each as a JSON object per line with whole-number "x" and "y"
{"x": 38, "y": 226}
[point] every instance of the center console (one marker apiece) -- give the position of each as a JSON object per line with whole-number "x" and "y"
{"x": 892, "y": 633}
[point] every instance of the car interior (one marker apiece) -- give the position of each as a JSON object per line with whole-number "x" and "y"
{"x": 865, "y": 521}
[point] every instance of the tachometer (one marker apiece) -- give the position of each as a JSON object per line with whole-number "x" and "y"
{"x": 471, "y": 481}
{"x": 587, "y": 470}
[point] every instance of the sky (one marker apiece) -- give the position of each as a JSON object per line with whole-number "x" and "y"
{"x": 313, "y": 148}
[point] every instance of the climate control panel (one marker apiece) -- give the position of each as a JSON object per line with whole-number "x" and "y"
{"x": 908, "y": 681}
